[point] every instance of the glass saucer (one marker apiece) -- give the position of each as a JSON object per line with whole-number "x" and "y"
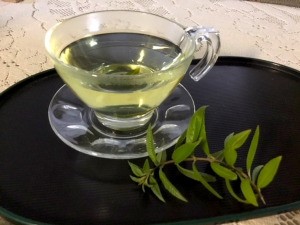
{"x": 77, "y": 126}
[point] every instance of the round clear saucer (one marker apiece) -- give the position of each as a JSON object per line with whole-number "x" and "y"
{"x": 77, "y": 126}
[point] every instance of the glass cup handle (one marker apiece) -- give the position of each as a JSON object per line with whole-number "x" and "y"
{"x": 208, "y": 42}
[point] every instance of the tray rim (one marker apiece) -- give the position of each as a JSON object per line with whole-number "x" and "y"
{"x": 222, "y": 60}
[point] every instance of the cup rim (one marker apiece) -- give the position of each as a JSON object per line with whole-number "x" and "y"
{"x": 57, "y": 60}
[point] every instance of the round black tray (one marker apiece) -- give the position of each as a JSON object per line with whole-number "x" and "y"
{"x": 43, "y": 181}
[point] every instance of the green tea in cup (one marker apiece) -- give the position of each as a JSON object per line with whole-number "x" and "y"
{"x": 124, "y": 64}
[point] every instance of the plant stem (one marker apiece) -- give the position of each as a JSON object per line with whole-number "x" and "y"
{"x": 238, "y": 171}
{"x": 191, "y": 159}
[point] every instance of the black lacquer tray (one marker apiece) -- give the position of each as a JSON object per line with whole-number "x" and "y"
{"x": 43, "y": 181}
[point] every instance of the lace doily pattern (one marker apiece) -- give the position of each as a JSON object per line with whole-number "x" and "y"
{"x": 249, "y": 29}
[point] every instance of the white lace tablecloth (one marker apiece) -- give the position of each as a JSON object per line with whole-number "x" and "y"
{"x": 249, "y": 29}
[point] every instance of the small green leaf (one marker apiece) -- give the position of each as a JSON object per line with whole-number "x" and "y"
{"x": 232, "y": 193}
{"x": 248, "y": 192}
{"x": 155, "y": 189}
{"x": 193, "y": 130}
{"x": 170, "y": 187}
{"x": 268, "y": 172}
{"x": 136, "y": 170}
{"x": 184, "y": 151}
{"x": 208, "y": 177}
{"x": 223, "y": 171}
{"x": 229, "y": 153}
{"x": 204, "y": 144}
{"x": 232, "y": 143}
{"x": 181, "y": 139}
{"x": 255, "y": 173}
{"x": 195, "y": 125}
{"x": 146, "y": 166}
{"x": 219, "y": 155}
{"x": 150, "y": 145}
{"x": 161, "y": 157}
{"x": 192, "y": 175}
{"x": 228, "y": 138}
{"x": 237, "y": 140}
{"x": 230, "y": 156}
{"x": 204, "y": 182}
{"x": 252, "y": 151}
{"x": 136, "y": 179}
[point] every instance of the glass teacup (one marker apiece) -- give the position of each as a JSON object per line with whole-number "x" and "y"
{"x": 124, "y": 65}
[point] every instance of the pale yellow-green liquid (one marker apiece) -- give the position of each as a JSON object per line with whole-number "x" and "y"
{"x": 124, "y": 78}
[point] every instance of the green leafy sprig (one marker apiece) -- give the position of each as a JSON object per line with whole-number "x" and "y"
{"x": 223, "y": 163}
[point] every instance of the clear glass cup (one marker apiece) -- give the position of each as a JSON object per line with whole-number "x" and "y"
{"x": 124, "y": 65}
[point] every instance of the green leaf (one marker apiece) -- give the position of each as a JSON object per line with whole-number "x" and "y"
{"x": 228, "y": 138}
{"x": 232, "y": 143}
{"x": 136, "y": 170}
{"x": 184, "y": 151}
{"x": 252, "y": 151}
{"x": 136, "y": 179}
{"x": 193, "y": 130}
{"x": 208, "y": 177}
{"x": 170, "y": 187}
{"x": 181, "y": 139}
{"x": 219, "y": 155}
{"x": 255, "y": 173}
{"x": 230, "y": 156}
{"x": 223, "y": 171}
{"x": 204, "y": 182}
{"x": 146, "y": 166}
{"x": 161, "y": 157}
{"x": 204, "y": 143}
{"x": 196, "y": 129}
{"x": 237, "y": 140}
{"x": 155, "y": 189}
{"x": 192, "y": 175}
{"x": 248, "y": 192}
{"x": 150, "y": 145}
{"x": 232, "y": 193}
{"x": 268, "y": 172}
